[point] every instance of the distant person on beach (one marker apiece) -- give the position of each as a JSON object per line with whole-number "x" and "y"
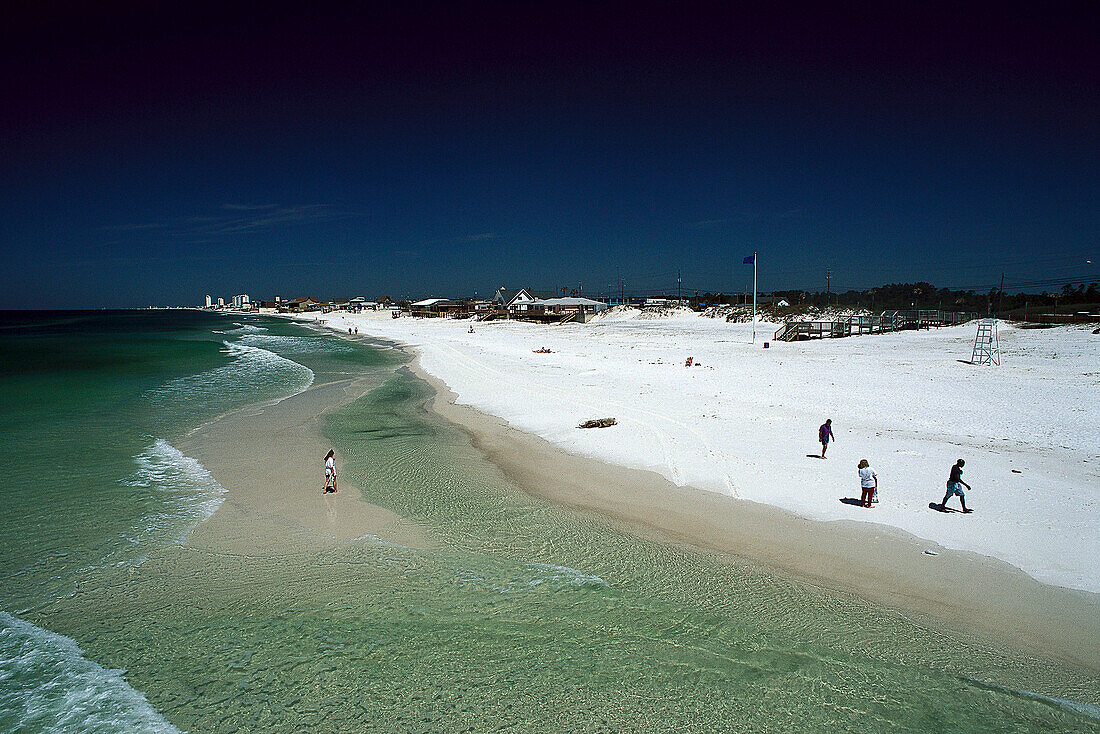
{"x": 955, "y": 486}
{"x": 825, "y": 435}
{"x": 357, "y": 331}
{"x": 330, "y": 472}
{"x": 868, "y": 483}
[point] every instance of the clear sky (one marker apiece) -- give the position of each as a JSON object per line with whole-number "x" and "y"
{"x": 153, "y": 155}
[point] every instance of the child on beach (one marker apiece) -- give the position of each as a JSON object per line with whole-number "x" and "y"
{"x": 825, "y": 435}
{"x": 330, "y": 472}
{"x": 868, "y": 482}
{"x": 955, "y": 484}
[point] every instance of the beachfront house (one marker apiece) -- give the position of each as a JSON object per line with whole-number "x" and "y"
{"x": 517, "y": 301}
{"x": 436, "y": 307}
{"x": 359, "y": 303}
{"x": 300, "y": 305}
{"x": 568, "y": 308}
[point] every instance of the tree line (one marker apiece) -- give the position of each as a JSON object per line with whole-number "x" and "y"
{"x": 925, "y": 296}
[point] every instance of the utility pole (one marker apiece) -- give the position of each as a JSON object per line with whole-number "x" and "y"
{"x": 828, "y": 278}
{"x": 754, "y": 298}
{"x": 1001, "y": 294}
{"x": 677, "y": 286}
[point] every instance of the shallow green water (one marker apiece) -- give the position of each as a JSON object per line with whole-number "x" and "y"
{"x": 524, "y": 617}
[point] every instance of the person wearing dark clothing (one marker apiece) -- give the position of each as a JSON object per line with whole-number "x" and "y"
{"x": 825, "y": 435}
{"x": 955, "y": 484}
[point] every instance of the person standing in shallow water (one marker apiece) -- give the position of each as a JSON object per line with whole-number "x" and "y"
{"x": 330, "y": 472}
{"x": 955, "y": 486}
{"x": 868, "y": 483}
{"x": 825, "y": 435}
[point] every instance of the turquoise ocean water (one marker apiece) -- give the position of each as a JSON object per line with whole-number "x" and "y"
{"x": 91, "y": 480}
{"x": 522, "y": 617}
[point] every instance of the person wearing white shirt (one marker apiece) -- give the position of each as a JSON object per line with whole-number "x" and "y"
{"x": 868, "y": 482}
{"x": 330, "y": 472}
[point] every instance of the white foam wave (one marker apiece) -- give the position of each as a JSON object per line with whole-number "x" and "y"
{"x": 245, "y": 329}
{"x": 183, "y": 490}
{"x": 47, "y": 685}
{"x": 284, "y": 344}
{"x": 252, "y": 372}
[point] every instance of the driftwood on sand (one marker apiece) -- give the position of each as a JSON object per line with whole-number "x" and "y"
{"x": 598, "y": 423}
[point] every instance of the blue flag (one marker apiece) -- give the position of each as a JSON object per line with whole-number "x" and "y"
{"x": 750, "y": 260}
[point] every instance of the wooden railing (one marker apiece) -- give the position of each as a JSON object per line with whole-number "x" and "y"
{"x": 864, "y": 324}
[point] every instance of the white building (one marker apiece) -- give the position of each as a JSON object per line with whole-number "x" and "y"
{"x": 241, "y": 301}
{"x": 208, "y": 301}
{"x": 221, "y": 303}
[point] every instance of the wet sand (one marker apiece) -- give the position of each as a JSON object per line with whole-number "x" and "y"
{"x": 956, "y": 592}
{"x": 270, "y": 458}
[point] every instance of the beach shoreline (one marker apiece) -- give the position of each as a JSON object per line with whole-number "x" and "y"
{"x": 956, "y": 591}
{"x": 742, "y": 421}
{"x": 964, "y": 592}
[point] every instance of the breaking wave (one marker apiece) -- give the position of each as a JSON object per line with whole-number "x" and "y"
{"x": 46, "y": 684}
{"x": 183, "y": 490}
{"x": 253, "y": 374}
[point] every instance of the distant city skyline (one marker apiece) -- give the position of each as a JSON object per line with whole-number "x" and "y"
{"x": 153, "y": 155}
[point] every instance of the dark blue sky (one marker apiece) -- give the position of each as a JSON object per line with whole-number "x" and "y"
{"x": 153, "y": 155}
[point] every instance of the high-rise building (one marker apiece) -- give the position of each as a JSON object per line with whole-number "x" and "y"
{"x": 208, "y": 302}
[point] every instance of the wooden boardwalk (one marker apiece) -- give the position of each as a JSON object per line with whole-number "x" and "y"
{"x": 884, "y": 322}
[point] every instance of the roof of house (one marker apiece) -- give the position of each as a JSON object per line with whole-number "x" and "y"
{"x": 568, "y": 301}
{"x": 435, "y": 302}
{"x": 509, "y": 295}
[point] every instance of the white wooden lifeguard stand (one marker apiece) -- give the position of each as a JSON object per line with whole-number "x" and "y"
{"x": 987, "y": 349}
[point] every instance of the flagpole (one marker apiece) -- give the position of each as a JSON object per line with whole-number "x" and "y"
{"x": 754, "y": 298}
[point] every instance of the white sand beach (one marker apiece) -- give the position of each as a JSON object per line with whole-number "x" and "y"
{"x": 743, "y": 420}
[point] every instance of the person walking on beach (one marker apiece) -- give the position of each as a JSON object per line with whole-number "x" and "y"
{"x": 825, "y": 435}
{"x": 330, "y": 472}
{"x": 868, "y": 483}
{"x": 955, "y": 486}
